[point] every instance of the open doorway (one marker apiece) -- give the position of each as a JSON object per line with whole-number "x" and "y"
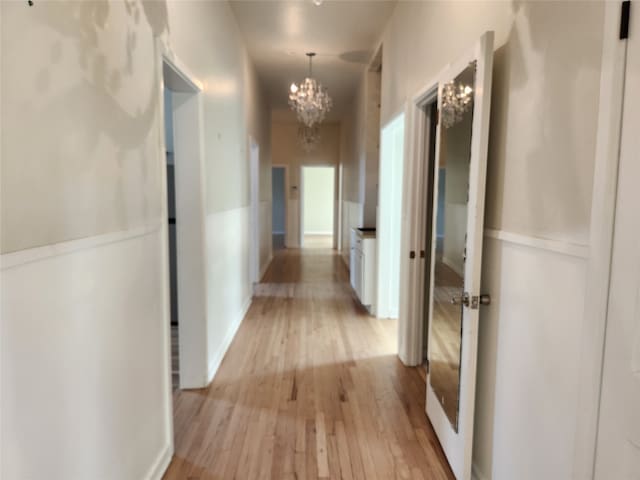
{"x": 417, "y": 227}
{"x": 171, "y": 213}
{"x": 427, "y": 212}
{"x": 318, "y": 188}
{"x": 279, "y": 207}
{"x": 185, "y": 220}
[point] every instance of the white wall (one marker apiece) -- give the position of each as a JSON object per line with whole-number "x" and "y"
{"x": 234, "y": 109}
{"x": 84, "y": 383}
{"x": 540, "y": 174}
{"x": 360, "y": 147}
{"x": 389, "y": 225}
{"x": 85, "y": 379}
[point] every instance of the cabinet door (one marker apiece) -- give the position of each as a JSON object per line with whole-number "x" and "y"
{"x": 353, "y": 274}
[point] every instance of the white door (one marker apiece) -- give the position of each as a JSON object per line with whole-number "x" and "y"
{"x": 618, "y": 447}
{"x": 464, "y": 97}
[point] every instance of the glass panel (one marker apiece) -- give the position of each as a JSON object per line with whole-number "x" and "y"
{"x": 456, "y": 116}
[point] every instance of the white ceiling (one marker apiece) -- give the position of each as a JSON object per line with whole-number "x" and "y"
{"x": 342, "y": 33}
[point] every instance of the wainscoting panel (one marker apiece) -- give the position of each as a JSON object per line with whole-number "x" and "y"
{"x": 85, "y": 359}
{"x": 229, "y": 280}
{"x": 528, "y": 358}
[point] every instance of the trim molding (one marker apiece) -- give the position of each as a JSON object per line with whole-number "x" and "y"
{"x": 36, "y": 254}
{"x": 557, "y": 246}
{"x": 231, "y": 333}
{"x": 603, "y": 205}
{"x": 160, "y": 465}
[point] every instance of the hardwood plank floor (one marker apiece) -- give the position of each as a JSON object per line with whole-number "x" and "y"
{"x": 311, "y": 387}
{"x": 317, "y": 241}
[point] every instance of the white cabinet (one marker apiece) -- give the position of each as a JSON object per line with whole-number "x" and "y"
{"x": 363, "y": 265}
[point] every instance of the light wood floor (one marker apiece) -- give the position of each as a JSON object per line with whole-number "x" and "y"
{"x": 318, "y": 241}
{"x": 310, "y": 388}
{"x": 446, "y": 335}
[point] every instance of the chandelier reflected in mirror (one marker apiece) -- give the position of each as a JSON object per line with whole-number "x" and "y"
{"x": 456, "y": 101}
{"x": 308, "y": 137}
{"x": 309, "y": 99}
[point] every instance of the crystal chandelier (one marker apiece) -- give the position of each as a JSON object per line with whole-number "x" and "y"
{"x": 456, "y": 101}
{"x": 308, "y": 137}
{"x": 310, "y": 99}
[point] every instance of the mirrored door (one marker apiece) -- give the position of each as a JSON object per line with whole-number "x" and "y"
{"x": 458, "y": 190}
{"x": 450, "y": 235}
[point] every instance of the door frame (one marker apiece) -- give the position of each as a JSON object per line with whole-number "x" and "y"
{"x": 190, "y": 233}
{"x": 301, "y": 199}
{"x": 286, "y": 201}
{"x": 605, "y": 183}
{"x": 415, "y": 188}
{"x": 189, "y": 168}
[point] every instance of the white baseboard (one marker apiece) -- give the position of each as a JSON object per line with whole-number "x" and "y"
{"x": 159, "y": 467}
{"x": 214, "y": 364}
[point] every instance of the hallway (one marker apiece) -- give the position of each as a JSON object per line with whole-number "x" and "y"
{"x": 310, "y": 388}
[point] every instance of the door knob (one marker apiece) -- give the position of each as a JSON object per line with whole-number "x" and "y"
{"x": 485, "y": 299}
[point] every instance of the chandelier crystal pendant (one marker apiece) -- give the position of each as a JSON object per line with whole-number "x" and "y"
{"x": 456, "y": 101}
{"x": 308, "y": 137}
{"x": 309, "y": 99}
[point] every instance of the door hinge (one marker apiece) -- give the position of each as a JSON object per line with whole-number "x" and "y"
{"x": 624, "y": 19}
{"x": 412, "y": 254}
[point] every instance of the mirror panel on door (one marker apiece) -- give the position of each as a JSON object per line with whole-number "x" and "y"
{"x": 450, "y": 235}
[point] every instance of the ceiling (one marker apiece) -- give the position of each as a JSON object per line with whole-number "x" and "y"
{"x": 343, "y": 34}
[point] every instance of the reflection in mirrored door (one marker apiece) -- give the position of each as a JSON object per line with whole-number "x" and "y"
{"x": 449, "y": 240}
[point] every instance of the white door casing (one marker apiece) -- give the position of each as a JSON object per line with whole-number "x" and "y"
{"x": 618, "y": 444}
{"x": 457, "y": 445}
